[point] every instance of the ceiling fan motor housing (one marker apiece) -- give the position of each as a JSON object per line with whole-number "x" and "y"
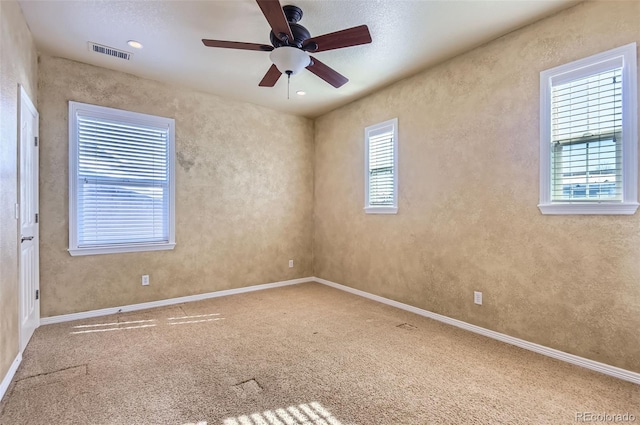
{"x": 300, "y": 33}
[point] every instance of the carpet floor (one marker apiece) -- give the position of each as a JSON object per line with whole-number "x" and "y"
{"x": 303, "y": 354}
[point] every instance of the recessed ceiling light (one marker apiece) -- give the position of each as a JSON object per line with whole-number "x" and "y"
{"x": 135, "y": 44}
{"x": 301, "y": 93}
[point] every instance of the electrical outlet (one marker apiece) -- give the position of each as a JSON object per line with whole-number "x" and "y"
{"x": 290, "y": 264}
{"x": 145, "y": 279}
{"x": 477, "y": 297}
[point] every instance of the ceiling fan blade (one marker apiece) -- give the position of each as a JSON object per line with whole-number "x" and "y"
{"x": 272, "y": 10}
{"x": 328, "y": 74}
{"x": 237, "y": 45}
{"x": 271, "y": 77}
{"x": 339, "y": 39}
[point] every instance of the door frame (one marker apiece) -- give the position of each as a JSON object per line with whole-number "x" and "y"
{"x": 24, "y": 101}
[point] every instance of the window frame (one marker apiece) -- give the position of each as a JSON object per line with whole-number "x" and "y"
{"x": 626, "y": 56}
{"x": 129, "y": 117}
{"x": 368, "y": 132}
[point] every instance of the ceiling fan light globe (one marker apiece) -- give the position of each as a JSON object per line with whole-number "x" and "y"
{"x": 289, "y": 60}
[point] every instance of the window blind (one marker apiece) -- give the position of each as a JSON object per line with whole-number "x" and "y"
{"x": 123, "y": 182}
{"x": 381, "y": 171}
{"x": 586, "y": 138}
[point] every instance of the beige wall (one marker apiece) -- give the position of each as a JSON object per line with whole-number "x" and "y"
{"x": 468, "y": 190}
{"x": 244, "y": 194}
{"x": 18, "y": 65}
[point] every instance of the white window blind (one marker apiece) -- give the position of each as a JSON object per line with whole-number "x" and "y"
{"x": 381, "y": 167}
{"x": 587, "y": 138}
{"x": 123, "y": 192}
{"x": 589, "y": 135}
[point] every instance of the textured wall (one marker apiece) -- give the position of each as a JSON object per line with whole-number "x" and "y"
{"x": 468, "y": 190}
{"x": 244, "y": 194}
{"x": 18, "y": 65}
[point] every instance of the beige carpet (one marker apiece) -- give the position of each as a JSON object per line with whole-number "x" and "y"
{"x": 304, "y": 354}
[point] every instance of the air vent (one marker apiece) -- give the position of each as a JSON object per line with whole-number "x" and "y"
{"x": 105, "y": 50}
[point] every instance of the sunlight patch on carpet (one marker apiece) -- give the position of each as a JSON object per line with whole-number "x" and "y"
{"x": 114, "y": 326}
{"x": 303, "y": 414}
{"x": 197, "y": 321}
{"x": 197, "y": 316}
{"x": 140, "y": 324}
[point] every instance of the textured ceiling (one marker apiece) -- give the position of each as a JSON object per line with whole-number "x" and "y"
{"x": 407, "y": 36}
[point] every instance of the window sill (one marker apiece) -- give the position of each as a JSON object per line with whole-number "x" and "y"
{"x": 381, "y": 210}
{"x": 583, "y": 208}
{"x": 120, "y": 249}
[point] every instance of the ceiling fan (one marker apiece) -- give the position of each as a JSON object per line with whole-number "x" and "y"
{"x": 291, "y": 44}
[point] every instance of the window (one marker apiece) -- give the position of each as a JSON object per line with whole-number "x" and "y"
{"x": 589, "y": 135}
{"x": 381, "y": 168}
{"x": 121, "y": 182}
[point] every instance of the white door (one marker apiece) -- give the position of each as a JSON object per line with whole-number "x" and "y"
{"x": 28, "y": 220}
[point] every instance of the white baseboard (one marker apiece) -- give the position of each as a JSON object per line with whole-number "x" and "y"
{"x": 541, "y": 349}
{"x": 617, "y": 372}
{"x": 166, "y": 302}
{"x": 4, "y": 386}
